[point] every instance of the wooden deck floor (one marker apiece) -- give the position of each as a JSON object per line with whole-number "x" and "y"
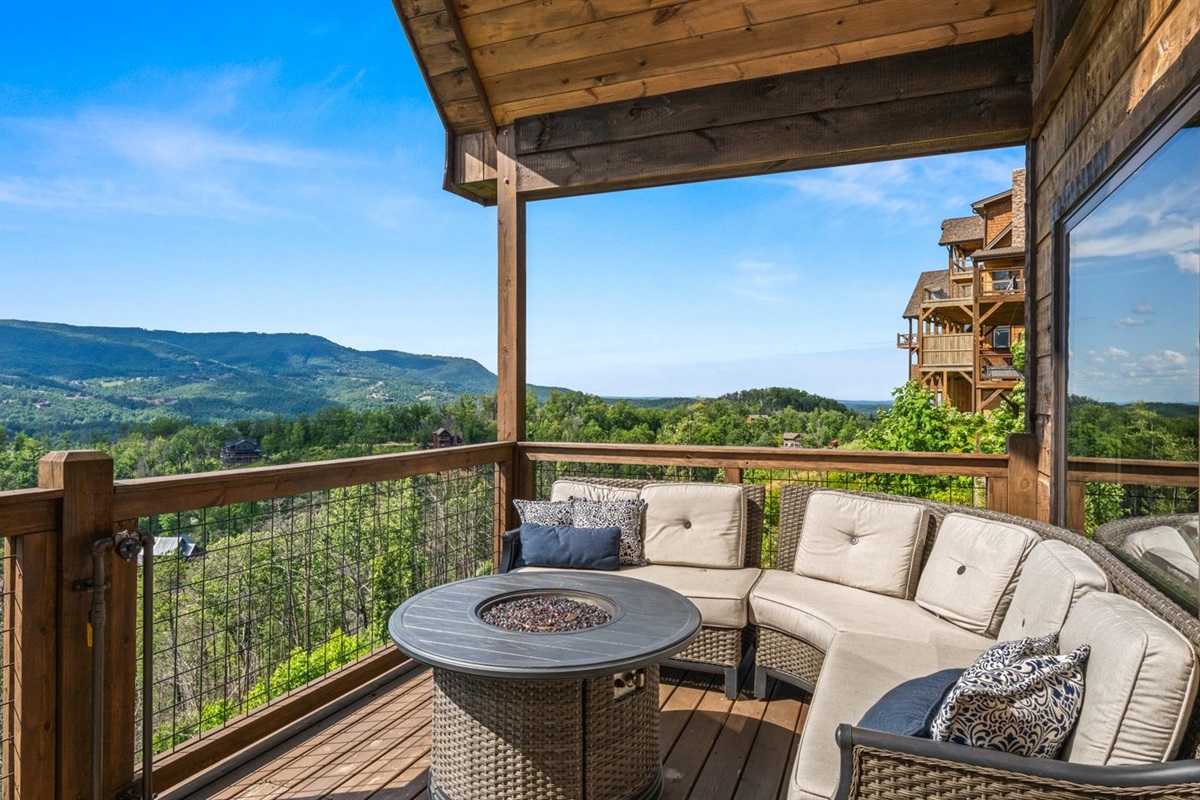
{"x": 378, "y": 748}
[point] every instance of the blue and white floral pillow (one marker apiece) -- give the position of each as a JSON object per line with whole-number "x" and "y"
{"x": 1019, "y": 697}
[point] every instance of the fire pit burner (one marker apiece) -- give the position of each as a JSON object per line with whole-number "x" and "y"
{"x": 545, "y": 614}
{"x": 547, "y": 611}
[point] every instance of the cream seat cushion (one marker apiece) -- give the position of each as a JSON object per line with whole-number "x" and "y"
{"x": 565, "y": 489}
{"x": 819, "y": 611}
{"x": 859, "y": 669}
{"x": 1161, "y": 538}
{"x": 864, "y": 542}
{"x": 1054, "y": 577}
{"x": 695, "y": 525}
{"x": 972, "y": 570}
{"x": 722, "y": 595}
{"x": 1139, "y": 685}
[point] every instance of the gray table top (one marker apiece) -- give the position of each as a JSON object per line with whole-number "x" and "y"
{"x": 440, "y": 627}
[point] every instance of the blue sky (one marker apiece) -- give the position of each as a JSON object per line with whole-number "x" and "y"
{"x": 275, "y": 166}
{"x": 1135, "y": 277}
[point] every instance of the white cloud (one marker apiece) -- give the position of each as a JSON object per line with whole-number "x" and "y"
{"x": 1116, "y": 352}
{"x": 1128, "y": 322}
{"x": 913, "y": 188}
{"x": 1187, "y": 261}
{"x": 1143, "y": 308}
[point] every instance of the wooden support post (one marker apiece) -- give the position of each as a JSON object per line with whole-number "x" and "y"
{"x": 86, "y": 480}
{"x": 510, "y": 359}
{"x": 733, "y": 474}
{"x": 1022, "y": 474}
{"x": 122, "y": 661}
{"x": 31, "y": 648}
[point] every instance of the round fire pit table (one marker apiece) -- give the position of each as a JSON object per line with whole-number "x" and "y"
{"x": 538, "y": 715}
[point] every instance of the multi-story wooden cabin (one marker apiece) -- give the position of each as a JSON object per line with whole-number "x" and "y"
{"x": 963, "y": 320}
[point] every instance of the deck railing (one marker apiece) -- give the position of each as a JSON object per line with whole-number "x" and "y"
{"x": 948, "y": 350}
{"x": 306, "y": 560}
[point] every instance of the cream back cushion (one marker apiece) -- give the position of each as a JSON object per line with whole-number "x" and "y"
{"x": 1139, "y": 685}
{"x": 695, "y": 525}
{"x": 566, "y": 489}
{"x": 1054, "y": 577}
{"x": 972, "y": 571}
{"x": 862, "y": 542}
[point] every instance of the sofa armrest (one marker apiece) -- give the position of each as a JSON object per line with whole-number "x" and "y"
{"x": 510, "y": 548}
{"x": 875, "y": 764}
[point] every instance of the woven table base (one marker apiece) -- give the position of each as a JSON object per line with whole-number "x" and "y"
{"x": 543, "y": 740}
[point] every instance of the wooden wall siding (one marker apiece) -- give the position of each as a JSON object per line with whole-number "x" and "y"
{"x": 1120, "y": 67}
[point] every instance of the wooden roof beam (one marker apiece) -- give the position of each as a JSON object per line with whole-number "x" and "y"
{"x": 953, "y": 99}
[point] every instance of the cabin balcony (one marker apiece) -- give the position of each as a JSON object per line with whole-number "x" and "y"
{"x": 947, "y": 351}
{"x": 262, "y": 664}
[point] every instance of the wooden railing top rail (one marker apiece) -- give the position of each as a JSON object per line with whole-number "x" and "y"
{"x": 790, "y": 458}
{"x": 27, "y": 511}
{"x": 149, "y": 496}
{"x": 1142, "y": 472}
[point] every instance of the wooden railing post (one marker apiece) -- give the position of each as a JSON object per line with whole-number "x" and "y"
{"x": 1022, "y": 449}
{"x": 31, "y": 650}
{"x": 86, "y": 480}
{"x": 1076, "y": 505}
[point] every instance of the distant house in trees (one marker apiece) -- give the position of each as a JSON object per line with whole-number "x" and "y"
{"x": 964, "y": 319}
{"x": 239, "y": 452}
{"x": 791, "y": 440}
{"x": 444, "y": 438}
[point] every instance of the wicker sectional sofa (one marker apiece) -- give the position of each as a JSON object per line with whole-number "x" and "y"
{"x": 705, "y": 542}
{"x": 848, "y": 616}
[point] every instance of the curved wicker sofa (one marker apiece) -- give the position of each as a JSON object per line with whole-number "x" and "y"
{"x": 1172, "y": 567}
{"x": 881, "y": 765}
{"x": 721, "y": 650}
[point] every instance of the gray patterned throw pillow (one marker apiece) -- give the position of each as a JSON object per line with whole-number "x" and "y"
{"x": 1019, "y": 697}
{"x": 556, "y": 513}
{"x": 624, "y": 514}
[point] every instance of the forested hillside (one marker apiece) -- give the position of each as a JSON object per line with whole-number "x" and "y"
{"x": 60, "y": 378}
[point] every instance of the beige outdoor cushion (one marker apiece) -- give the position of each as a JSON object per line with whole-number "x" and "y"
{"x": 1160, "y": 539}
{"x": 859, "y": 669}
{"x": 819, "y": 611}
{"x": 972, "y": 571}
{"x": 695, "y": 525}
{"x": 1054, "y": 577}
{"x": 862, "y": 542}
{"x": 1139, "y": 684}
{"x": 565, "y": 489}
{"x": 722, "y": 595}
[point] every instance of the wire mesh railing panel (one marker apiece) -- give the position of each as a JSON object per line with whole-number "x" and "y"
{"x": 961, "y": 490}
{"x": 254, "y": 601}
{"x": 7, "y": 707}
{"x": 1106, "y": 502}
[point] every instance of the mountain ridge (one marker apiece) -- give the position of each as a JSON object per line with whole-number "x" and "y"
{"x": 56, "y": 377}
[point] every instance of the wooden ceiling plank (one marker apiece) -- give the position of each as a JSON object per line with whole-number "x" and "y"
{"x": 432, "y": 29}
{"x": 920, "y": 126}
{"x": 453, "y": 86}
{"x": 995, "y": 62}
{"x": 584, "y": 21}
{"x": 679, "y": 43}
{"x": 659, "y": 84}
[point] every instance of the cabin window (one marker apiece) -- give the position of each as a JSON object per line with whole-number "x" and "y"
{"x": 1002, "y": 338}
{"x": 1133, "y": 347}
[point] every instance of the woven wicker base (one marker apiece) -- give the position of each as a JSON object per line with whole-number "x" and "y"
{"x": 789, "y": 656}
{"x": 544, "y": 740}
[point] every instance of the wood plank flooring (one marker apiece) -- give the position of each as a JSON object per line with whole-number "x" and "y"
{"x": 378, "y": 748}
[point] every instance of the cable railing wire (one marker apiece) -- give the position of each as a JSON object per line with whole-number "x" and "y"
{"x": 253, "y": 601}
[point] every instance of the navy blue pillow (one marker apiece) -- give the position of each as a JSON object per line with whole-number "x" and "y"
{"x": 909, "y": 709}
{"x": 576, "y": 548}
